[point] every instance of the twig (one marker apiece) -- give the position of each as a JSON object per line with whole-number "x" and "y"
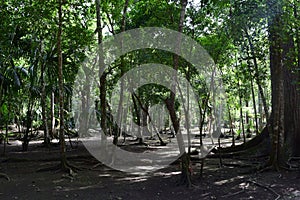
{"x": 294, "y": 158}
{"x": 266, "y": 187}
{"x": 95, "y": 166}
{"x": 233, "y": 194}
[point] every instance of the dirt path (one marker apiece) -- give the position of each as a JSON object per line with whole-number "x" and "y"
{"x": 229, "y": 182}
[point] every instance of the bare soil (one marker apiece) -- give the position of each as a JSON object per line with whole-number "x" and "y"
{"x": 234, "y": 180}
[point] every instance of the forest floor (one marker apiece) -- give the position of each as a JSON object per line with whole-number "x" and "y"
{"x": 232, "y": 181}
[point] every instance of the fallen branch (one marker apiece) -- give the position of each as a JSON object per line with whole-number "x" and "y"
{"x": 233, "y": 194}
{"x": 265, "y": 187}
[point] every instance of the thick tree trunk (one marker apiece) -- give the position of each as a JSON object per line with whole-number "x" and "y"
{"x": 294, "y": 97}
{"x": 291, "y": 96}
{"x": 285, "y": 89}
{"x": 277, "y": 121}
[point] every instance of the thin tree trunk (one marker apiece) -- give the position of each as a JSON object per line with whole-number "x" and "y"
{"x": 254, "y": 101}
{"x": 241, "y": 107}
{"x": 261, "y": 114}
{"x": 145, "y": 111}
{"x": 257, "y": 79}
{"x": 122, "y": 67}
{"x": 28, "y": 125}
{"x": 170, "y": 103}
{"x": 61, "y": 89}
{"x": 6, "y": 137}
{"x": 242, "y": 118}
{"x": 138, "y": 118}
{"x": 52, "y": 115}
{"x": 231, "y": 125}
{"x": 44, "y": 107}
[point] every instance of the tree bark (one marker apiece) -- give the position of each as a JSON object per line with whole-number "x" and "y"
{"x": 170, "y": 103}
{"x": 291, "y": 96}
{"x": 277, "y": 121}
{"x": 257, "y": 79}
{"x": 254, "y": 104}
{"x": 122, "y": 67}
{"x": 61, "y": 89}
{"x": 102, "y": 75}
{"x": 44, "y": 107}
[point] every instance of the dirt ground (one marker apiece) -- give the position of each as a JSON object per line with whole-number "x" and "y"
{"x": 95, "y": 181}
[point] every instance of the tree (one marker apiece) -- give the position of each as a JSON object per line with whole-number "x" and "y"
{"x": 170, "y": 102}
{"x": 61, "y": 89}
{"x": 285, "y": 135}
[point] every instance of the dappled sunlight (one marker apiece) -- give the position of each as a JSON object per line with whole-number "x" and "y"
{"x": 221, "y": 182}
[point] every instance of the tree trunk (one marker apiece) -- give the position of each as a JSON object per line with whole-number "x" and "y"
{"x": 138, "y": 118}
{"x": 170, "y": 103}
{"x": 254, "y": 104}
{"x": 277, "y": 121}
{"x": 52, "y": 115}
{"x": 257, "y": 79}
{"x": 202, "y": 116}
{"x": 242, "y": 118}
{"x": 291, "y": 96}
{"x": 122, "y": 68}
{"x": 231, "y": 125}
{"x": 61, "y": 90}
{"x": 101, "y": 74}
{"x": 261, "y": 114}
{"x": 44, "y": 107}
{"x": 28, "y": 125}
{"x": 294, "y": 97}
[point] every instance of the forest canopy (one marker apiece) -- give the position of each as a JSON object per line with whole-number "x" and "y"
{"x": 255, "y": 47}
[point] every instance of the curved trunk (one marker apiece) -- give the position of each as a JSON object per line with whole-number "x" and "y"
{"x": 170, "y": 103}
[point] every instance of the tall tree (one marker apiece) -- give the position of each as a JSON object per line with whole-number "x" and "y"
{"x": 61, "y": 89}
{"x": 170, "y": 103}
{"x": 103, "y": 75}
{"x": 285, "y": 134}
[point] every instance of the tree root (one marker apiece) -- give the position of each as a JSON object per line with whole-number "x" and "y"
{"x": 62, "y": 167}
{"x": 265, "y": 187}
{"x": 256, "y": 142}
{"x": 2, "y": 175}
{"x": 185, "y": 178}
